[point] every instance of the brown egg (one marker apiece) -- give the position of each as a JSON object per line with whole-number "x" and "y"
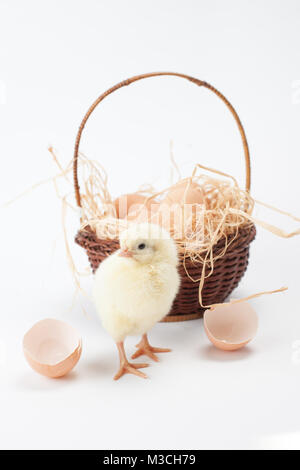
{"x": 231, "y": 326}
{"x": 180, "y": 211}
{"x": 184, "y": 191}
{"x": 123, "y": 204}
{"x": 52, "y": 347}
{"x": 139, "y": 213}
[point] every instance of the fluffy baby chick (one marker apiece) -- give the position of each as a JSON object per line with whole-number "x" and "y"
{"x": 135, "y": 287}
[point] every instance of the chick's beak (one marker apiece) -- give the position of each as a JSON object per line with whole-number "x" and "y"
{"x": 126, "y": 253}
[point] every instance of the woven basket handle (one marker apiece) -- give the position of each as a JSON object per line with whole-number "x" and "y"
{"x": 157, "y": 74}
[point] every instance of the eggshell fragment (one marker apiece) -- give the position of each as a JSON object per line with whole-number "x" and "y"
{"x": 52, "y": 347}
{"x": 231, "y": 326}
{"x": 124, "y": 203}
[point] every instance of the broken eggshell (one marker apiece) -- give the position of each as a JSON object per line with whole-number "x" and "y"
{"x": 52, "y": 347}
{"x": 231, "y": 326}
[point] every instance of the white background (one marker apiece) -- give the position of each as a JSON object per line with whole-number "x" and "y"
{"x": 56, "y": 57}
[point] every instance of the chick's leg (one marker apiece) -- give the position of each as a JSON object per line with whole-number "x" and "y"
{"x": 126, "y": 367}
{"x": 144, "y": 348}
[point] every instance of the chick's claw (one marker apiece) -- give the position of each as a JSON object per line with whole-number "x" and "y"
{"x": 144, "y": 348}
{"x": 128, "y": 368}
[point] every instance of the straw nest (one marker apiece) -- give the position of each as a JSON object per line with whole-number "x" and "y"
{"x": 223, "y": 209}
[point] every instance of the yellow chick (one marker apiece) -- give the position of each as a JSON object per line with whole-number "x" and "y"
{"x": 135, "y": 287}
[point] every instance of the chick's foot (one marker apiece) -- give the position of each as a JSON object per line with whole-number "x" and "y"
{"x": 144, "y": 348}
{"x": 127, "y": 367}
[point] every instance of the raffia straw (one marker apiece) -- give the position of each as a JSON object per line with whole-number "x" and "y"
{"x": 253, "y": 296}
{"x": 103, "y": 221}
{"x": 52, "y": 179}
{"x": 72, "y": 266}
{"x": 212, "y": 170}
{"x": 271, "y": 228}
{"x": 71, "y": 263}
{"x": 226, "y": 208}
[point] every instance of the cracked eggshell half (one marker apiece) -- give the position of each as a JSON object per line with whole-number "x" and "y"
{"x": 231, "y": 326}
{"x": 52, "y": 347}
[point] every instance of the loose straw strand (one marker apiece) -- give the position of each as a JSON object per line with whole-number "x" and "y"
{"x": 253, "y": 296}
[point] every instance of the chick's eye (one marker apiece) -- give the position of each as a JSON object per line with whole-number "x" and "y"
{"x": 141, "y": 246}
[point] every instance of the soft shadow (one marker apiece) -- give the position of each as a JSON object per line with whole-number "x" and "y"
{"x": 35, "y": 382}
{"x": 213, "y": 354}
{"x": 183, "y": 333}
{"x": 102, "y": 366}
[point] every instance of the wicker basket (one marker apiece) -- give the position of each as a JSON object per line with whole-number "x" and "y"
{"x": 228, "y": 270}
